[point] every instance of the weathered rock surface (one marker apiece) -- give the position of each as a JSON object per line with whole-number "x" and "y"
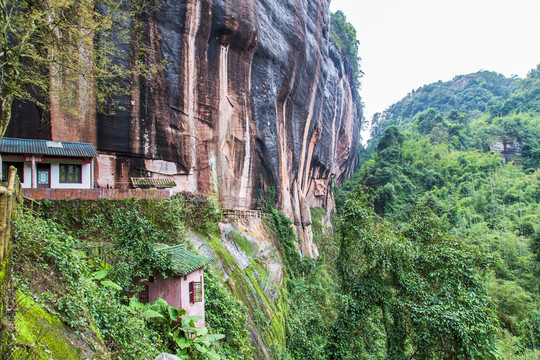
{"x": 253, "y": 95}
{"x": 507, "y": 148}
{"x": 249, "y": 263}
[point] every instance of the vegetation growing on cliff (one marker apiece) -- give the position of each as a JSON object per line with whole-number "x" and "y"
{"x": 66, "y": 48}
{"x": 343, "y": 34}
{"x": 59, "y": 264}
{"x": 310, "y": 301}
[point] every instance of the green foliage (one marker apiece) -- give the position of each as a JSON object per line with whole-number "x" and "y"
{"x": 200, "y": 213}
{"x": 527, "y": 95}
{"x": 311, "y": 302}
{"x": 48, "y": 262}
{"x": 94, "y": 220}
{"x": 133, "y": 254}
{"x": 281, "y": 227}
{"x": 443, "y": 112}
{"x": 123, "y": 232}
{"x": 445, "y": 162}
{"x": 423, "y": 287}
{"x": 228, "y": 316}
{"x": 464, "y": 96}
{"x": 4, "y": 281}
{"x": 195, "y": 342}
{"x": 89, "y": 290}
{"x": 312, "y": 308}
{"x": 343, "y": 34}
{"x": 295, "y": 264}
{"x": 191, "y": 342}
{"x": 522, "y": 129}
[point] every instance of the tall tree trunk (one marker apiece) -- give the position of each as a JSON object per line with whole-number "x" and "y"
{"x": 5, "y": 112}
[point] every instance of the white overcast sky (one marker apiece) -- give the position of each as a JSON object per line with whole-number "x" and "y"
{"x": 405, "y": 44}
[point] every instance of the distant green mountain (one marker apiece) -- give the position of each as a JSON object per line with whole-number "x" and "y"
{"x": 468, "y": 94}
{"x": 484, "y": 111}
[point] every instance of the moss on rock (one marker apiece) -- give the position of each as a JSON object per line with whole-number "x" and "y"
{"x": 42, "y": 335}
{"x": 4, "y": 274}
{"x": 248, "y": 284}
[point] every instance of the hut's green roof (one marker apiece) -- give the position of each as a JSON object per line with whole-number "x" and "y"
{"x": 47, "y": 147}
{"x": 184, "y": 261}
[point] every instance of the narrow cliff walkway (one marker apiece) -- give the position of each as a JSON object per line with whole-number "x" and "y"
{"x": 242, "y": 214}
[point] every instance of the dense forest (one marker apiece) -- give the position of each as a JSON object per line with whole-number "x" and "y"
{"x": 468, "y": 94}
{"x": 445, "y": 158}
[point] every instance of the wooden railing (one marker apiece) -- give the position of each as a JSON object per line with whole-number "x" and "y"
{"x": 242, "y": 214}
{"x": 226, "y": 213}
{"x": 9, "y": 196}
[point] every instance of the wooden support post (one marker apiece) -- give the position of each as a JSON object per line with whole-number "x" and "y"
{"x": 7, "y": 219}
{"x": 2, "y": 222}
{"x": 33, "y": 173}
{"x": 9, "y": 206}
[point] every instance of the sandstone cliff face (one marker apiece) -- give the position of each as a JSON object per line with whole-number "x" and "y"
{"x": 247, "y": 259}
{"x": 253, "y": 95}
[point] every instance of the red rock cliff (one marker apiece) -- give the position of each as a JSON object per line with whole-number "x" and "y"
{"x": 254, "y": 94}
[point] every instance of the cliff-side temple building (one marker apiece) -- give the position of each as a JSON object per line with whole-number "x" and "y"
{"x": 49, "y": 164}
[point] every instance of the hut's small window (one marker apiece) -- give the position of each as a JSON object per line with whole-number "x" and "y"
{"x": 195, "y": 291}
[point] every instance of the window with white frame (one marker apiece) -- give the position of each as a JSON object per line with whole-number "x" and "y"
{"x": 70, "y": 174}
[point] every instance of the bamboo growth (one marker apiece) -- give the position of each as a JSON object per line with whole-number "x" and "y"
{"x": 7, "y": 197}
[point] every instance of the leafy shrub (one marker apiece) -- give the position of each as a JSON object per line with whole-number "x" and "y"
{"x": 228, "y": 316}
{"x": 50, "y": 261}
{"x": 200, "y": 213}
{"x": 91, "y": 219}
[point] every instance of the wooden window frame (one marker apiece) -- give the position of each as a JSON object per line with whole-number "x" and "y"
{"x": 143, "y": 296}
{"x": 195, "y": 291}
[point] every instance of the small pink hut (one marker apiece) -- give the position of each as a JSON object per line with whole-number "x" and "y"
{"x": 184, "y": 288}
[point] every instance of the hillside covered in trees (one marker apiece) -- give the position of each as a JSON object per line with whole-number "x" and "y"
{"x": 468, "y": 94}
{"x": 433, "y": 254}
{"x": 475, "y": 164}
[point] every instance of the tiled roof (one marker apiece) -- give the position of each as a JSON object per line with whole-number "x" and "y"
{"x": 47, "y": 147}
{"x": 184, "y": 261}
{"x": 145, "y": 182}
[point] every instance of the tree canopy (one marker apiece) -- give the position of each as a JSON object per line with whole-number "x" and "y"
{"x": 465, "y": 94}
{"x": 58, "y": 51}
{"x": 415, "y": 292}
{"x": 449, "y": 161}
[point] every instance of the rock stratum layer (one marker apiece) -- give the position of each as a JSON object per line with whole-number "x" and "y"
{"x": 253, "y": 95}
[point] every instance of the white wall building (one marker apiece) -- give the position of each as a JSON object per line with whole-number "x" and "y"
{"x": 49, "y": 164}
